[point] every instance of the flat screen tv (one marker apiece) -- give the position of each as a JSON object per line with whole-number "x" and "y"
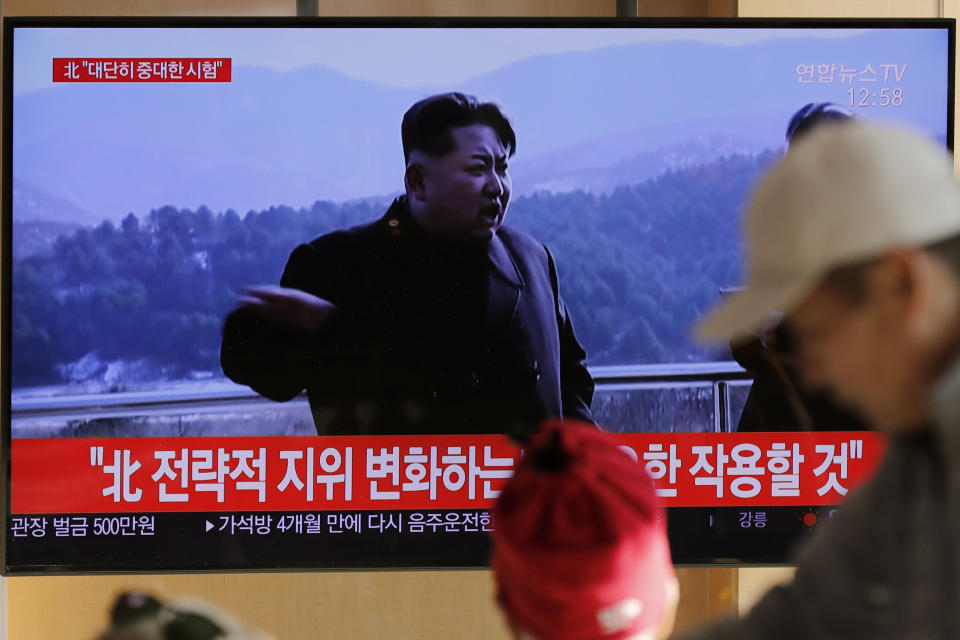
{"x": 154, "y": 170}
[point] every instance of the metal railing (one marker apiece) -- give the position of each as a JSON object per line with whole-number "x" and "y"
{"x": 207, "y": 397}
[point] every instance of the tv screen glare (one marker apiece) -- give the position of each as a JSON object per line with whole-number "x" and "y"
{"x": 160, "y": 174}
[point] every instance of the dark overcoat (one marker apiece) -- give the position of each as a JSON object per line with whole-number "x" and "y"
{"x": 427, "y": 337}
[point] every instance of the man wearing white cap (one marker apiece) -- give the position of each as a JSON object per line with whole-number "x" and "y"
{"x": 855, "y": 237}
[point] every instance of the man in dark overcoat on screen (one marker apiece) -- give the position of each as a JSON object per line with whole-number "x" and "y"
{"x": 435, "y": 318}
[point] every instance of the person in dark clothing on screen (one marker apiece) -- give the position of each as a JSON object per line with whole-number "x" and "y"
{"x": 776, "y": 401}
{"x": 812, "y": 115}
{"x": 436, "y": 318}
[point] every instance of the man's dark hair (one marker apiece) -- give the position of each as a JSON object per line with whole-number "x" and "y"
{"x": 812, "y": 114}
{"x": 427, "y": 124}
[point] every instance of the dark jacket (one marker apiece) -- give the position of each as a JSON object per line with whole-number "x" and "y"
{"x": 427, "y": 337}
{"x": 777, "y": 401}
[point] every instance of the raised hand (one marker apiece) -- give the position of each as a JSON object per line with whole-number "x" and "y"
{"x": 291, "y": 307}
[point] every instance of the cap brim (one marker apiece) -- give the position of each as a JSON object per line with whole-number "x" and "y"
{"x": 749, "y": 310}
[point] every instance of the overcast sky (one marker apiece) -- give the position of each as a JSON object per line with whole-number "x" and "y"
{"x": 404, "y": 57}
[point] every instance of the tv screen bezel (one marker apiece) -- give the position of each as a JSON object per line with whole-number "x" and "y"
{"x": 10, "y": 24}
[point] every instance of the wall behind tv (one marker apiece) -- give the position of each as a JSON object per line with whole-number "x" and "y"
{"x": 400, "y": 604}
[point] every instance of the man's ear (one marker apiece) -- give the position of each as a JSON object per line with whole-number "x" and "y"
{"x": 891, "y": 285}
{"x": 928, "y": 294}
{"x": 414, "y": 180}
{"x": 897, "y": 273}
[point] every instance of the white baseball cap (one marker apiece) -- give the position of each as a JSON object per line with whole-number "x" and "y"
{"x": 842, "y": 194}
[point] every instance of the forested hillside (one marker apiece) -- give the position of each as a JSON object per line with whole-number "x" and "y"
{"x": 146, "y": 299}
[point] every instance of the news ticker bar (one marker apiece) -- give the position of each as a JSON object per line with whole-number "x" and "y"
{"x": 218, "y": 474}
{"x": 354, "y": 539}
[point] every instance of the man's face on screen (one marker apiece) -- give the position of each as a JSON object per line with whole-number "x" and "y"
{"x": 465, "y": 192}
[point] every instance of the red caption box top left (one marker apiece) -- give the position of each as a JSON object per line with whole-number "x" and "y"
{"x": 141, "y": 70}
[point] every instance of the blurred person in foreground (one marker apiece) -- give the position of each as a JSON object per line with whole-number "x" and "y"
{"x": 855, "y": 235}
{"x": 776, "y": 400}
{"x": 580, "y": 545}
{"x": 436, "y": 318}
{"x": 140, "y": 616}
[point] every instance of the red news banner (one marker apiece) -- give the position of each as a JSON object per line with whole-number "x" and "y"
{"x": 117, "y": 475}
{"x": 141, "y": 69}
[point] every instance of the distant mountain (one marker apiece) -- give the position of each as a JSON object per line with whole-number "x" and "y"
{"x": 39, "y": 218}
{"x": 31, "y": 204}
{"x": 582, "y": 96}
{"x": 551, "y": 173}
{"x": 30, "y": 238}
{"x": 269, "y": 138}
{"x": 264, "y": 139}
{"x": 118, "y": 305}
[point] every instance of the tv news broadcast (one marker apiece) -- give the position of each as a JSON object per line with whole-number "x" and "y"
{"x": 246, "y": 328}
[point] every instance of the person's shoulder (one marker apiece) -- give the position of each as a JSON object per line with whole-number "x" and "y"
{"x": 350, "y": 238}
{"x": 364, "y": 236}
{"x": 512, "y": 235}
{"x": 341, "y": 250}
{"x": 521, "y": 242}
{"x": 907, "y": 462}
{"x": 360, "y": 247}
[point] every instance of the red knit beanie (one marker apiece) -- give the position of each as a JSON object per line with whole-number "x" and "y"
{"x": 580, "y": 546}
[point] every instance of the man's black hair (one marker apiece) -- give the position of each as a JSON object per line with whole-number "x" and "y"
{"x": 813, "y": 114}
{"x": 427, "y": 124}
